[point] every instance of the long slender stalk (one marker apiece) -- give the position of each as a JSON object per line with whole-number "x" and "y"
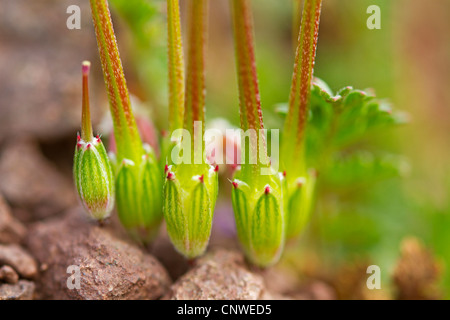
{"x": 176, "y": 66}
{"x": 293, "y": 142}
{"x": 195, "y": 78}
{"x": 86, "y": 125}
{"x": 249, "y": 96}
{"x": 129, "y": 144}
{"x": 296, "y": 21}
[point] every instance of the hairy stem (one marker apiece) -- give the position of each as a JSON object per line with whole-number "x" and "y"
{"x": 296, "y": 21}
{"x": 249, "y": 96}
{"x": 195, "y": 77}
{"x": 86, "y": 124}
{"x": 293, "y": 141}
{"x": 176, "y": 66}
{"x": 129, "y": 144}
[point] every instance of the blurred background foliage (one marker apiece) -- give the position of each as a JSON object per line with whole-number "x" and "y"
{"x": 405, "y": 190}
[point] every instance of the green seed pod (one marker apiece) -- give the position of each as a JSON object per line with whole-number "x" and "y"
{"x": 260, "y": 220}
{"x": 138, "y": 177}
{"x": 139, "y": 196}
{"x": 92, "y": 171}
{"x": 299, "y": 205}
{"x": 94, "y": 178}
{"x": 300, "y": 183}
{"x": 190, "y": 193}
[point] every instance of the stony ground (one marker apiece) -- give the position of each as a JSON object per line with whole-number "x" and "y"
{"x": 43, "y": 230}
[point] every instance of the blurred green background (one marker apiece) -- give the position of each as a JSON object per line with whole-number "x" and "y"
{"x": 407, "y": 61}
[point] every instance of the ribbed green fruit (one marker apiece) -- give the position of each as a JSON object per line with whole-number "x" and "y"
{"x": 260, "y": 218}
{"x": 94, "y": 178}
{"x": 299, "y": 203}
{"x": 139, "y": 196}
{"x": 190, "y": 193}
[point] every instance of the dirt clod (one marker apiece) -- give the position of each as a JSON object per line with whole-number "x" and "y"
{"x": 220, "y": 275}
{"x": 417, "y": 273}
{"x": 19, "y": 259}
{"x": 23, "y": 290}
{"x": 31, "y": 183}
{"x": 108, "y": 266}
{"x": 8, "y": 275}
{"x": 40, "y": 62}
{"x": 11, "y": 230}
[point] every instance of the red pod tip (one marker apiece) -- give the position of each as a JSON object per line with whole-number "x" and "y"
{"x": 85, "y": 67}
{"x": 267, "y": 190}
{"x": 170, "y": 176}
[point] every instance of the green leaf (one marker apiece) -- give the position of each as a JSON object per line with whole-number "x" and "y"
{"x": 361, "y": 169}
{"x": 339, "y": 122}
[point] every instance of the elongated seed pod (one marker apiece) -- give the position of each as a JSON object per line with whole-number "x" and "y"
{"x": 257, "y": 194}
{"x": 190, "y": 188}
{"x": 189, "y": 206}
{"x": 92, "y": 171}
{"x": 300, "y": 183}
{"x": 138, "y": 193}
{"x": 260, "y": 219}
{"x": 138, "y": 176}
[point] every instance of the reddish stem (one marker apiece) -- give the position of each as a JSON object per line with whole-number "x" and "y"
{"x": 86, "y": 124}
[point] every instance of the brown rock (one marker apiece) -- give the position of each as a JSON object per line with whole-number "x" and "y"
{"x": 11, "y": 230}
{"x": 284, "y": 282}
{"x": 281, "y": 280}
{"x": 16, "y": 257}
{"x": 220, "y": 275}
{"x": 41, "y": 92}
{"x": 164, "y": 251}
{"x": 23, "y": 290}
{"x": 350, "y": 280}
{"x": 30, "y": 182}
{"x": 315, "y": 290}
{"x": 8, "y": 275}
{"x": 416, "y": 275}
{"x": 110, "y": 267}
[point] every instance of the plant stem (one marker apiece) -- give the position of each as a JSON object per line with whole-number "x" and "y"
{"x": 293, "y": 142}
{"x": 249, "y": 96}
{"x": 195, "y": 78}
{"x": 129, "y": 144}
{"x": 86, "y": 124}
{"x": 296, "y": 22}
{"x": 176, "y": 66}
